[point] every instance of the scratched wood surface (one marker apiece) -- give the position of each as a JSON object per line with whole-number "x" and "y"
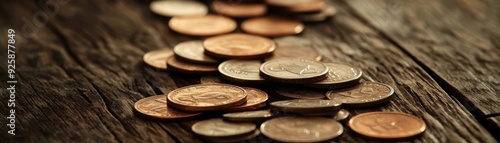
{"x": 80, "y": 73}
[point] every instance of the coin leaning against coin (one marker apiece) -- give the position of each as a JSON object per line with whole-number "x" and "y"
{"x": 290, "y": 70}
{"x": 155, "y": 108}
{"x": 158, "y": 58}
{"x": 206, "y": 97}
{"x": 362, "y": 95}
{"x": 301, "y": 129}
{"x": 387, "y": 125}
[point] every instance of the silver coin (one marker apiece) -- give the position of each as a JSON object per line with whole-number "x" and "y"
{"x": 290, "y": 70}
{"x": 193, "y": 51}
{"x": 173, "y": 8}
{"x": 339, "y": 76}
{"x": 362, "y": 95}
{"x": 249, "y": 116}
{"x": 217, "y": 127}
{"x": 241, "y": 71}
{"x": 301, "y": 129}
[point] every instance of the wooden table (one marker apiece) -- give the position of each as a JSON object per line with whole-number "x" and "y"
{"x": 79, "y": 67}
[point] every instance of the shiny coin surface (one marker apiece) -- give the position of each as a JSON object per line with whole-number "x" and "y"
{"x": 256, "y": 99}
{"x": 239, "y": 9}
{"x": 306, "y": 106}
{"x": 155, "y": 108}
{"x": 206, "y": 97}
{"x": 362, "y": 95}
{"x": 208, "y": 25}
{"x": 158, "y": 58}
{"x": 387, "y": 125}
{"x": 320, "y": 16}
{"x": 193, "y": 51}
{"x": 190, "y": 68}
{"x": 339, "y": 76}
{"x": 239, "y": 46}
{"x": 301, "y": 129}
{"x": 272, "y": 26}
{"x": 249, "y": 116}
{"x": 217, "y": 127}
{"x": 300, "y": 92}
{"x": 173, "y": 8}
{"x": 296, "y": 51}
{"x": 342, "y": 115}
{"x": 293, "y": 70}
{"x": 211, "y": 79}
{"x": 241, "y": 71}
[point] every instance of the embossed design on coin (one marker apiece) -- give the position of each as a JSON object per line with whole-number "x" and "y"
{"x": 239, "y": 10}
{"x": 300, "y": 92}
{"x": 190, "y": 68}
{"x": 155, "y": 107}
{"x": 362, "y": 95}
{"x": 179, "y": 8}
{"x": 219, "y": 128}
{"x": 293, "y": 70}
{"x": 387, "y": 125}
{"x": 256, "y": 99}
{"x": 339, "y": 76}
{"x": 207, "y": 97}
{"x": 193, "y": 51}
{"x": 239, "y": 46}
{"x": 158, "y": 58}
{"x": 272, "y": 26}
{"x": 302, "y": 52}
{"x": 208, "y": 25}
{"x": 301, "y": 129}
{"x": 242, "y": 71}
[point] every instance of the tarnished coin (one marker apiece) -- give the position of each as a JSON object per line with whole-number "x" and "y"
{"x": 241, "y": 71}
{"x": 207, "y": 25}
{"x": 387, "y": 125}
{"x": 301, "y": 129}
{"x": 239, "y": 10}
{"x": 293, "y": 70}
{"x": 298, "y": 5}
{"x": 211, "y": 79}
{"x": 239, "y": 46}
{"x": 206, "y": 97}
{"x": 237, "y": 139}
{"x": 190, "y": 68}
{"x": 155, "y": 108}
{"x": 272, "y": 26}
{"x": 217, "y": 127}
{"x": 362, "y": 95}
{"x": 300, "y": 92}
{"x": 249, "y": 116}
{"x": 296, "y": 51}
{"x": 256, "y": 99}
{"x": 173, "y": 8}
{"x": 193, "y": 51}
{"x": 158, "y": 58}
{"x": 306, "y": 106}
{"x": 342, "y": 115}
{"x": 339, "y": 76}
{"x": 315, "y": 17}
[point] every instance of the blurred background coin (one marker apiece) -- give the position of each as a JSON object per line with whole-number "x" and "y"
{"x": 171, "y": 8}
{"x": 207, "y": 25}
{"x": 239, "y": 9}
{"x": 158, "y": 58}
{"x": 272, "y": 26}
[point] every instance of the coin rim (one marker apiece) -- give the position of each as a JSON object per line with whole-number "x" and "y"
{"x": 338, "y": 133}
{"x": 416, "y": 131}
{"x": 144, "y": 115}
{"x": 181, "y": 106}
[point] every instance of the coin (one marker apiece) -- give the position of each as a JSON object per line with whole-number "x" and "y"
{"x": 158, "y": 58}
{"x": 190, "y": 68}
{"x": 238, "y": 46}
{"x": 295, "y": 51}
{"x": 207, "y": 25}
{"x": 211, "y": 79}
{"x": 293, "y": 70}
{"x": 387, "y": 125}
{"x": 301, "y": 129}
{"x": 241, "y": 71}
{"x": 155, "y": 107}
{"x": 178, "y": 8}
{"x": 249, "y": 116}
{"x": 219, "y": 128}
{"x": 298, "y": 5}
{"x": 237, "y": 139}
{"x": 306, "y": 106}
{"x": 193, "y": 51}
{"x": 206, "y": 97}
{"x": 339, "y": 76}
{"x": 256, "y": 99}
{"x": 362, "y": 95}
{"x": 239, "y": 10}
{"x": 342, "y": 115}
{"x": 272, "y": 26}
{"x": 315, "y": 17}
{"x": 299, "y": 92}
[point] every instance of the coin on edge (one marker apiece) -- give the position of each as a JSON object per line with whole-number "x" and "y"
{"x": 241, "y": 71}
{"x": 239, "y": 46}
{"x": 178, "y": 8}
{"x": 256, "y": 99}
{"x": 306, "y": 106}
{"x": 295, "y": 51}
{"x": 190, "y": 68}
{"x": 239, "y": 10}
{"x": 158, "y": 58}
{"x": 248, "y": 116}
{"x": 387, "y": 125}
{"x": 272, "y": 26}
{"x": 290, "y": 70}
{"x": 301, "y": 129}
{"x": 217, "y": 127}
{"x": 362, "y": 95}
{"x": 207, "y": 25}
{"x": 206, "y": 97}
{"x": 339, "y": 76}
{"x": 193, "y": 51}
{"x": 155, "y": 108}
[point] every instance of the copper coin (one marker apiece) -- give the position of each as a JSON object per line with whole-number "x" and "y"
{"x": 207, "y": 97}
{"x": 208, "y": 25}
{"x": 293, "y": 70}
{"x": 241, "y": 71}
{"x": 301, "y": 129}
{"x": 387, "y": 125}
{"x": 249, "y": 116}
{"x": 239, "y": 10}
{"x": 362, "y": 95}
{"x": 272, "y": 26}
{"x": 314, "y": 17}
{"x": 303, "y": 52}
{"x": 239, "y": 46}
{"x": 158, "y": 58}
{"x": 306, "y": 106}
{"x": 256, "y": 99}
{"x": 299, "y": 5}
{"x": 190, "y": 68}
{"x": 339, "y": 76}
{"x": 179, "y": 8}
{"x": 193, "y": 51}
{"x": 300, "y": 92}
{"x": 217, "y": 127}
{"x": 155, "y": 107}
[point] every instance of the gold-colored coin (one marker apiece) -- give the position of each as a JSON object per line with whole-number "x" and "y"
{"x": 256, "y": 99}
{"x": 301, "y": 129}
{"x": 241, "y": 71}
{"x": 339, "y": 76}
{"x": 239, "y": 46}
{"x": 239, "y": 10}
{"x": 173, "y": 8}
{"x": 293, "y": 70}
{"x": 155, "y": 108}
{"x": 387, "y": 125}
{"x": 272, "y": 26}
{"x": 158, "y": 58}
{"x": 217, "y": 127}
{"x": 362, "y": 95}
{"x": 190, "y": 68}
{"x": 193, "y": 51}
{"x": 207, "y": 97}
{"x": 207, "y": 25}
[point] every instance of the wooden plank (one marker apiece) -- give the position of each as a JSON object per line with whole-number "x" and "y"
{"x": 456, "y": 41}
